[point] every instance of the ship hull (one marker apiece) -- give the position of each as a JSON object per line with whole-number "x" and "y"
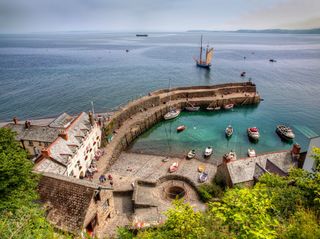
{"x": 206, "y": 66}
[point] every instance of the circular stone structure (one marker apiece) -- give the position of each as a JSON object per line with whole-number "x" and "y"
{"x": 175, "y": 192}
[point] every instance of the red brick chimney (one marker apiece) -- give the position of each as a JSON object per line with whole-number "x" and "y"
{"x": 15, "y": 120}
{"x": 45, "y": 152}
{"x": 64, "y": 135}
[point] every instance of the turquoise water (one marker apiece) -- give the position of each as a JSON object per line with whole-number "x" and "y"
{"x": 44, "y": 75}
{"x": 205, "y": 128}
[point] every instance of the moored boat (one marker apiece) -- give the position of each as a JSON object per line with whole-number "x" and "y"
{"x": 229, "y": 131}
{"x": 228, "y": 106}
{"x": 201, "y": 168}
{"x": 173, "y": 167}
{"x": 181, "y": 128}
{"x": 285, "y": 132}
{"x": 252, "y": 153}
{"x": 203, "y": 177}
{"x": 173, "y": 113}
{"x": 191, "y": 154}
{"x": 253, "y": 133}
{"x": 230, "y": 156}
{"x": 208, "y": 151}
{"x": 192, "y": 108}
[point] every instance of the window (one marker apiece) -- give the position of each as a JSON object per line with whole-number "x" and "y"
{"x": 30, "y": 143}
{"x": 97, "y": 196}
{"x": 106, "y": 204}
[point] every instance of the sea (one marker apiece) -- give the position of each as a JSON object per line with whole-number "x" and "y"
{"x": 44, "y": 75}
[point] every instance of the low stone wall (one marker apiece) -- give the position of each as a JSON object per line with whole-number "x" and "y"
{"x": 205, "y": 87}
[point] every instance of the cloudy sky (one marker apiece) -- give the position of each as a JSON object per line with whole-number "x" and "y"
{"x": 156, "y": 15}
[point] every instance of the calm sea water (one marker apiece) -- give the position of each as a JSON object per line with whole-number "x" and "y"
{"x": 44, "y": 75}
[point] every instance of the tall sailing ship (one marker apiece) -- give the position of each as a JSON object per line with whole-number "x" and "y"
{"x": 205, "y": 62}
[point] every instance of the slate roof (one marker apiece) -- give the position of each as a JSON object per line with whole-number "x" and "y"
{"x": 62, "y": 121}
{"x": 66, "y": 200}
{"x": 62, "y": 150}
{"x": 244, "y": 170}
{"x": 34, "y": 132}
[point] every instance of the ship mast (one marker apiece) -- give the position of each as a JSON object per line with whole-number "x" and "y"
{"x": 201, "y": 51}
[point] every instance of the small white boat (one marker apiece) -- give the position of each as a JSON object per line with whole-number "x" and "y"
{"x": 228, "y": 106}
{"x": 192, "y": 108}
{"x": 230, "y": 156}
{"x": 252, "y": 153}
{"x": 285, "y": 132}
{"x": 229, "y": 131}
{"x": 181, "y": 128}
{"x": 173, "y": 113}
{"x": 173, "y": 167}
{"x": 191, "y": 154}
{"x": 208, "y": 151}
{"x": 253, "y": 133}
{"x": 203, "y": 177}
{"x": 209, "y": 108}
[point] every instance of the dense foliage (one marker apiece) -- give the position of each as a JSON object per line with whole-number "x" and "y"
{"x": 275, "y": 207}
{"x": 20, "y": 216}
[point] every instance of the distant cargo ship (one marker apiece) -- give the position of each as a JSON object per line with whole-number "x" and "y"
{"x": 141, "y": 35}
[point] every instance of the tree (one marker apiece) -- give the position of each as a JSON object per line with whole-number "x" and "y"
{"x": 20, "y": 216}
{"x": 182, "y": 222}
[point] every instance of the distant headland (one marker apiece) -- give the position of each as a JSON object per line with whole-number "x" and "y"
{"x": 280, "y": 31}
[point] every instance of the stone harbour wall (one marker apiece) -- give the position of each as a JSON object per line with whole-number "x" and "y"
{"x": 138, "y": 116}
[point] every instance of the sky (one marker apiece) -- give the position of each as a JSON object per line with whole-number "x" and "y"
{"x": 156, "y": 15}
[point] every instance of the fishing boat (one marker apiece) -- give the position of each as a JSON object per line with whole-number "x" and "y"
{"x": 192, "y": 108}
{"x": 205, "y": 63}
{"x": 191, "y": 154}
{"x": 252, "y": 153}
{"x": 228, "y": 106}
{"x": 229, "y": 131}
{"x": 285, "y": 132}
{"x": 173, "y": 167}
{"x": 201, "y": 168}
{"x": 253, "y": 133}
{"x": 181, "y": 128}
{"x": 203, "y": 177}
{"x": 230, "y": 156}
{"x": 173, "y": 112}
{"x": 208, "y": 151}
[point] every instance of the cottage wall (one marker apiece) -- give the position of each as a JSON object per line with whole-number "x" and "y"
{"x": 102, "y": 209}
{"x": 85, "y": 154}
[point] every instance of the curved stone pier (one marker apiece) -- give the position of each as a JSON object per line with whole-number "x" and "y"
{"x": 138, "y": 116}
